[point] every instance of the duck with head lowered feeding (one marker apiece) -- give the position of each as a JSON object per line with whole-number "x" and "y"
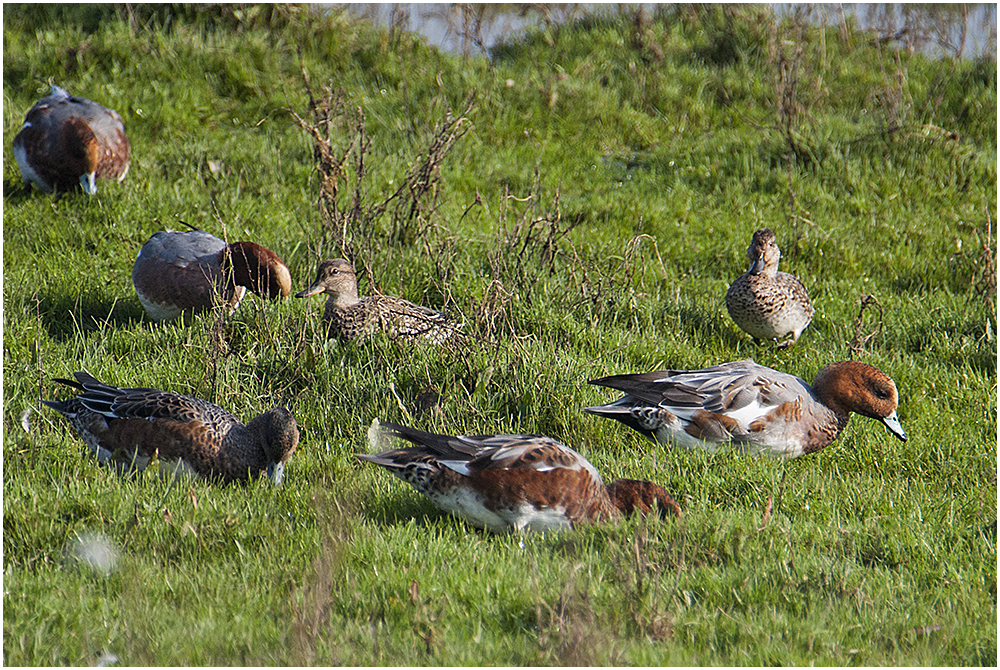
{"x": 765, "y": 303}
{"x": 349, "y": 317}
{"x": 754, "y": 408}
{"x": 126, "y": 428}
{"x": 194, "y": 271}
{"x": 68, "y": 141}
{"x": 512, "y": 482}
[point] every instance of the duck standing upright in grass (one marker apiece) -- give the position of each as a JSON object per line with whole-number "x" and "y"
{"x": 765, "y": 303}
{"x": 126, "y": 428}
{"x": 757, "y": 409}
{"x": 68, "y": 141}
{"x": 512, "y": 482}
{"x": 349, "y": 317}
{"x": 193, "y": 271}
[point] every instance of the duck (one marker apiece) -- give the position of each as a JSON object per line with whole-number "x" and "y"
{"x": 512, "y": 483}
{"x": 752, "y": 407}
{"x": 765, "y": 303}
{"x": 68, "y": 141}
{"x": 179, "y": 271}
{"x": 349, "y": 317}
{"x": 126, "y": 428}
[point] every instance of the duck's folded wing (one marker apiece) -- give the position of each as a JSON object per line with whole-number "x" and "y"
{"x": 528, "y": 452}
{"x": 147, "y": 403}
{"x": 722, "y": 389}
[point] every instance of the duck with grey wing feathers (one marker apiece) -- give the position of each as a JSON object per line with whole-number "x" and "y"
{"x": 192, "y": 271}
{"x": 68, "y": 142}
{"x": 512, "y": 482}
{"x": 754, "y": 408}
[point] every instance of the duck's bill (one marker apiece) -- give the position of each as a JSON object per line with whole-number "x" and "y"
{"x": 892, "y": 423}
{"x": 312, "y": 290}
{"x": 276, "y": 473}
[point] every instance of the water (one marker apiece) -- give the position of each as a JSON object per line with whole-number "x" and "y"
{"x": 471, "y": 29}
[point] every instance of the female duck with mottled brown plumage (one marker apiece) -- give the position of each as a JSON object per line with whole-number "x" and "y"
{"x": 126, "y": 428}
{"x": 765, "y": 303}
{"x": 349, "y": 317}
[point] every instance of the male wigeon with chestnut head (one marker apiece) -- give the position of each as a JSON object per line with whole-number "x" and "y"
{"x": 193, "y": 271}
{"x": 754, "y": 408}
{"x": 512, "y": 482}
{"x": 67, "y": 141}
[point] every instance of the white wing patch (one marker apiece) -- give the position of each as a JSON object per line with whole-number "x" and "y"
{"x": 461, "y": 467}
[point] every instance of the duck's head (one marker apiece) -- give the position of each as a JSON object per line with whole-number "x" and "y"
{"x": 280, "y": 436}
{"x": 763, "y": 252}
{"x": 631, "y": 495}
{"x": 258, "y": 269}
{"x": 853, "y": 386}
{"x": 81, "y": 152}
{"x": 335, "y": 277}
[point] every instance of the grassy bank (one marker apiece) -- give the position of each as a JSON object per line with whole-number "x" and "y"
{"x": 596, "y": 197}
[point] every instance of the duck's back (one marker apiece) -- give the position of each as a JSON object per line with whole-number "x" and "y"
{"x": 176, "y": 271}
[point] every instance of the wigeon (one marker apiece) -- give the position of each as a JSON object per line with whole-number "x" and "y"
{"x": 757, "y": 409}
{"x": 193, "y": 271}
{"x": 68, "y": 141}
{"x": 512, "y": 482}
{"x": 765, "y": 303}
{"x": 349, "y": 317}
{"x": 127, "y": 428}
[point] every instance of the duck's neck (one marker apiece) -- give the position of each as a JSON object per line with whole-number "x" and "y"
{"x": 256, "y": 268}
{"x": 838, "y": 397}
{"x": 345, "y": 297}
{"x": 628, "y": 496}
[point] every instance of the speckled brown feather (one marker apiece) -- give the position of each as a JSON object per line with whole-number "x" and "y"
{"x": 765, "y": 303}
{"x": 349, "y": 317}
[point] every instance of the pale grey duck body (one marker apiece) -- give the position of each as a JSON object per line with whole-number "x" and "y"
{"x": 752, "y": 407}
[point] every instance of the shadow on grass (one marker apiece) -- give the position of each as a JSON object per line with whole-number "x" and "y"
{"x": 398, "y": 510}
{"x": 16, "y": 191}
{"x": 701, "y": 324}
{"x": 64, "y": 315}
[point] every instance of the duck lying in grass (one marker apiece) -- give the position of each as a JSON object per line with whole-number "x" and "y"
{"x": 349, "y": 317}
{"x": 757, "y": 409}
{"x": 68, "y": 141}
{"x": 512, "y": 482}
{"x": 126, "y": 428}
{"x": 193, "y": 271}
{"x": 765, "y": 303}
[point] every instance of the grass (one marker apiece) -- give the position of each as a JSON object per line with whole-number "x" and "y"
{"x": 588, "y": 224}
